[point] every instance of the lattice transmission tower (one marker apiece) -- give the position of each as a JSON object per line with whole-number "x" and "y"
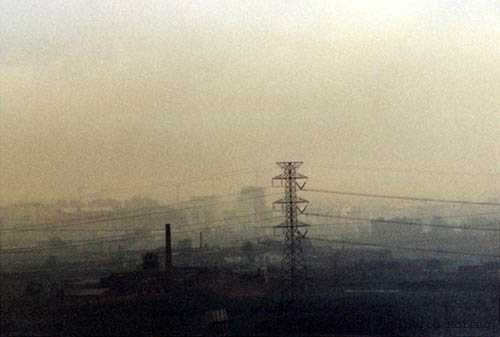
{"x": 293, "y": 267}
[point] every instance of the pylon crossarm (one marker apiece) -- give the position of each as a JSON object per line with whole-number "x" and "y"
{"x": 292, "y": 201}
{"x": 281, "y": 201}
{"x": 285, "y": 164}
{"x": 278, "y": 209}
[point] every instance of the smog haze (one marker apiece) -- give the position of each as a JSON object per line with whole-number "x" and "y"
{"x": 123, "y": 94}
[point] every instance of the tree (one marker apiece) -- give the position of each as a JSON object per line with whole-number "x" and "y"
{"x": 150, "y": 261}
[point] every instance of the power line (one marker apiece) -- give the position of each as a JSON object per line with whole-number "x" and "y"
{"x": 409, "y": 223}
{"x": 174, "y": 231}
{"x": 163, "y": 206}
{"x": 46, "y": 229}
{"x": 70, "y": 223}
{"x": 93, "y": 220}
{"x": 135, "y": 237}
{"x": 225, "y": 226}
{"x": 73, "y": 244}
{"x": 78, "y": 264}
{"x": 470, "y": 215}
{"x": 120, "y": 238}
{"x": 369, "y": 195}
{"x": 440, "y": 251}
{"x": 402, "y": 170}
{"x": 426, "y": 239}
{"x": 460, "y": 216}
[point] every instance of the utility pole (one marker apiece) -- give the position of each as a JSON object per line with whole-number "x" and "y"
{"x": 293, "y": 268}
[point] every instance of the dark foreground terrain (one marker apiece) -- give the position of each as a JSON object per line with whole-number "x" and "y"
{"x": 413, "y": 309}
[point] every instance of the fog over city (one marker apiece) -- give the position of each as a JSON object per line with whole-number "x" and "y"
{"x": 250, "y": 167}
{"x": 117, "y": 94}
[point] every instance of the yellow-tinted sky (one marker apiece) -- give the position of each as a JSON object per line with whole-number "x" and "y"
{"x": 112, "y": 94}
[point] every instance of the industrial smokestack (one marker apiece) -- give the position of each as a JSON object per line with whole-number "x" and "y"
{"x": 168, "y": 249}
{"x": 201, "y": 240}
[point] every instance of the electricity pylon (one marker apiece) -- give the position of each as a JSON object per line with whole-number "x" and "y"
{"x": 293, "y": 268}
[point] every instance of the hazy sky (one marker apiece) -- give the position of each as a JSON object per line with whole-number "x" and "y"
{"x": 112, "y": 94}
